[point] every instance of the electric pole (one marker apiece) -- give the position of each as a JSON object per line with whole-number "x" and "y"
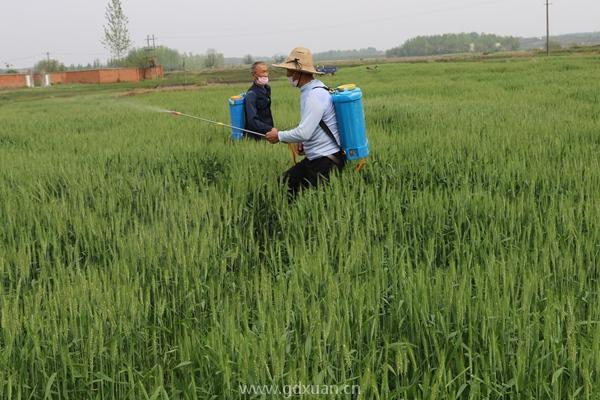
{"x": 153, "y": 41}
{"x": 547, "y": 28}
{"x": 150, "y": 51}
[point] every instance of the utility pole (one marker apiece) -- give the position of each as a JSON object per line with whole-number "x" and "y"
{"x": 150, "y": 51}
{"x": 547, "y": 28}
{"x": 153, "y": 41}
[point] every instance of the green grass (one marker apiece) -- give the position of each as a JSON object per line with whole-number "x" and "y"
{"x": 145, "y": 256}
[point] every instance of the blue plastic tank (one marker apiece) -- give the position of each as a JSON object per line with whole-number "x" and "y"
{"x": 347, "y": 100}
{"x": 237, "y": 115}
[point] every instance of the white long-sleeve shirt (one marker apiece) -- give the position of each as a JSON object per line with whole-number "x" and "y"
{"x": 315, "y": 104}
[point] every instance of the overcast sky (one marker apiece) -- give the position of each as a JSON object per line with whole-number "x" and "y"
{"x": 71, "y": 30}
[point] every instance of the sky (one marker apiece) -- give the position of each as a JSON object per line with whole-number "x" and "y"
{"x": 71, "y": 30}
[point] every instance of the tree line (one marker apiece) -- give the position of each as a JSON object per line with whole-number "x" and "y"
{"x": 169, "y": 59}
{"x": 454, "y": 43}
{"x": 369, "y": 52}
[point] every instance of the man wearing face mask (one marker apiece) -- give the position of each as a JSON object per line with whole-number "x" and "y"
{"x": 258, "y": 102}
{"x": 317, "y": 133}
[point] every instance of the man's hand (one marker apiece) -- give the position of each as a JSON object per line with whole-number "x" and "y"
{"x": 301, "y": 149}
{"x": 273, "y": 136}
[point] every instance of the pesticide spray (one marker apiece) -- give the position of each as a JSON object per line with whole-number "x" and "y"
{"x": 293, "y": 148}
{"x": 143, "y": 107}
{"x": 180, "y": 114}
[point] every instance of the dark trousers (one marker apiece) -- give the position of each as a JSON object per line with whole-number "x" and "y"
{"x": 309, "y": 173}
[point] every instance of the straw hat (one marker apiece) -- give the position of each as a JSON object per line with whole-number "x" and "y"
{"x": 300, "y": 59}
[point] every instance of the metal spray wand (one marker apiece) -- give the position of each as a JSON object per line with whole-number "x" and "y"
{"x": 177, "y": 113}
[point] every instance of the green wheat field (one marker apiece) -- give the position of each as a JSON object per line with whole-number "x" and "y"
{"x": 144, "y": 256}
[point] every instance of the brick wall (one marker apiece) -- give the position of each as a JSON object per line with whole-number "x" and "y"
{"x": 153, "y": 73}
{"x": 13, "y": 80}
{"x": 89, "y": 76}
{"x": 119, "y": 75}
{"x": 109, "y": 75}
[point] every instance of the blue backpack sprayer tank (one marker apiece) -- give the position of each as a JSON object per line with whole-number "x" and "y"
{"x": 350, "y": 118}
{"x": 237, "y": 115}
{"x": 350, "y": 115}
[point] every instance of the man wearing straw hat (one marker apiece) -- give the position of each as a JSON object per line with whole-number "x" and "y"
{"x": 317, "y": 134}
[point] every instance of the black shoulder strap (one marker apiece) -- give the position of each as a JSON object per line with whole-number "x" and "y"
{"x": 324, "y": 87}
{"x": 324, "y": 126}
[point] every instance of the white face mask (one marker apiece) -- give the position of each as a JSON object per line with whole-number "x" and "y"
{"x": 292, "y": 81}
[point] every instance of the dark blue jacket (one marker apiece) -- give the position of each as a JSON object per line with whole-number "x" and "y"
{"x": 258, "y": 109}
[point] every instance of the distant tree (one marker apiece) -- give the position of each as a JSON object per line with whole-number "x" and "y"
{"x": 248, "y": 59}
{"x": 213, "y": 59}
{"x": 116, "y": 35}
{"x": 169, "y": 58}
{"x": 279, "y": 58}
{"x": 194, "y": 61}
{"x": 48, "y": 66}
{"x": 135, "y": 58}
